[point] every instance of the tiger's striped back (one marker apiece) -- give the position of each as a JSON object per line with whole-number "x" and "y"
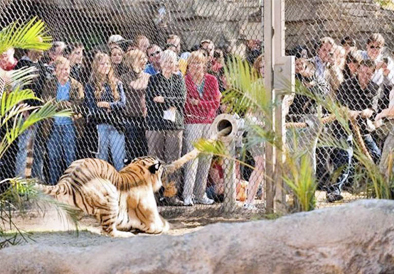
{"x": 97, "y": 188}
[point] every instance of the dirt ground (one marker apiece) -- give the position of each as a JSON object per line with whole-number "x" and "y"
{"x": 50, "y": 226}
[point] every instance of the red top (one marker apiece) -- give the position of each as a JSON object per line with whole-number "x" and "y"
{"x": 205, "y": 111}
{"x": 7, "y": 66}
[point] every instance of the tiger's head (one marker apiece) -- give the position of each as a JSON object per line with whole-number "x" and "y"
{"x": 146, "y": 170}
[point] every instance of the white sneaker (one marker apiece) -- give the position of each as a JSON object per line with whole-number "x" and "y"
{"x": 204, "y": 200}
{"x": 249, "y": 206}
{"x": 188, "y": 201}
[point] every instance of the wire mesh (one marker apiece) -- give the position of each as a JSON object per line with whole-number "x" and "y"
{"x": 130, "y": 34}
{"x": 138, "y": 110}
{"x": 344, "y": 52}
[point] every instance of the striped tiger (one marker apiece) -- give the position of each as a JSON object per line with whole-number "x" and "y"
{"x": 120, "y": 201}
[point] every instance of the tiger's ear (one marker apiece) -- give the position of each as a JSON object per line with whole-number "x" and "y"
{"x": 154, "y": 168}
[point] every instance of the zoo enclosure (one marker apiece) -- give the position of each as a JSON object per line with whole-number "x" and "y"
{"x": 229, "y": 24}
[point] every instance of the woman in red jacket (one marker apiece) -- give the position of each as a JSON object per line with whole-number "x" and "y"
{"x": 202, "y": 103}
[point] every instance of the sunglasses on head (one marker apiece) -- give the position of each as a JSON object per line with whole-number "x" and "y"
{"x": 154, "y": 53}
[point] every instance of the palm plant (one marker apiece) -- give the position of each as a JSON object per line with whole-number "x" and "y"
{"x": 14, "y": 117}
{"x": 246, "y": 94}
{"x": 29, "y": 35}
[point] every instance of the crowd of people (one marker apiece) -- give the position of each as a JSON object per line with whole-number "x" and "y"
{"x": 362, "y": 81}
{"x": 134, "y": 98}
{"x": 129, "y": 99}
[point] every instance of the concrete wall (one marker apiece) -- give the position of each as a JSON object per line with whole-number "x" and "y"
{"x": 313, "y": 19}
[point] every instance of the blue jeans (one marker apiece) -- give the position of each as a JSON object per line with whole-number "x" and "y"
{"x": 61, "y": 145}
{"x": 38, "y": 148}
{"x": 110, "y": 138}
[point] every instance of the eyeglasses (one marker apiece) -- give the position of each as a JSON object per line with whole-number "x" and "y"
{"x": 154, "y": 53}
{"x": 375, "y": 47}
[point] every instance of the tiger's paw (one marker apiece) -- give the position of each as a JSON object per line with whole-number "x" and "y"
{"x": 170, "y": 190}
{"x": 158, "y": 228}
{"x": 121, "y": 234}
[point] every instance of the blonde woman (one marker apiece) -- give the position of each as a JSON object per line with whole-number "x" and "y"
{"x": 62, "y": 143}
{"x": 202, "y": 103}
{"x": 135, "y": 82}
{"x": 106, "y": 102}
{"x": 117, "y": 55}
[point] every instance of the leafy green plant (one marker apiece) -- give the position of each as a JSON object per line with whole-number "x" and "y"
{"x": 19, "y": 198}
{"x": 30, "y": 35}
{"x": 16, "y": 116}
{"x": 386, "y": 4}
{"x": 246, "y": 94}
{"x": 368, "y": 174}
{"x": 13, "y": 118}
{"x": 301, "y": 180}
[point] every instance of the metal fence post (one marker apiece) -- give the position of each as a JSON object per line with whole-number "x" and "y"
{"x": 268, "y": 83}
{"x": 279, "y": 76}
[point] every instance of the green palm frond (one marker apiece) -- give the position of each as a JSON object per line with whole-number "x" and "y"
{"x": 22, "y": 190}
{"x": 246, "y": 90}
{"x": 21, "y": 123}
{"x": 216, "y": 148}
{"x": 208, "y": 146}
{"x": 10, "y": 100}
{"x": 29, "y": 35}
{"x": 23, "y": 76}
{"x": 259, "y": 135}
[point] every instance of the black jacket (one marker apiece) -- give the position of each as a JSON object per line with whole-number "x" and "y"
{"x": 174, "y": 92}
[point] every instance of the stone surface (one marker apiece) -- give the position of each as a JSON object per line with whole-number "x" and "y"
{"x": 357, "y": 18}
{"x": 354, "y": 238}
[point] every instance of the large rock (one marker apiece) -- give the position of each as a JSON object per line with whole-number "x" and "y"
{"x": 354, "y": 238}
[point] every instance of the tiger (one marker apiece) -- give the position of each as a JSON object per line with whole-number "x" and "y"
{"x": 120, "y": 201}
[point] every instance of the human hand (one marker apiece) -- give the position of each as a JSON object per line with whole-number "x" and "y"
{"x": 158, "y": 99}
{"x": 67, "y": 104}
{"x": 194, "y": 101}
{"x": 366, "y": 113}
{"x": 380, "y": 65}
{"x": 103, "y": 105}
{"x": 354, "y": 113}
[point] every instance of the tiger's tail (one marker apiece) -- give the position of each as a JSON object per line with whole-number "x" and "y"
{"x": 177, "y": 164}
{"x": 51, "y": 190}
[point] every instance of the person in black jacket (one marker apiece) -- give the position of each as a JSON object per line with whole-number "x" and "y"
{"x": 165, "y": 100}
{"x": 360, "y": 95}
{"x": 32, "y": 137}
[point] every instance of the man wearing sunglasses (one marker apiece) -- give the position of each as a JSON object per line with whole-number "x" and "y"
{"x": 384, "y": 73}
{"x": 153, "y": 52}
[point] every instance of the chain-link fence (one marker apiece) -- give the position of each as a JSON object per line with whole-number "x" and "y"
{"x": 159, "y": 109}
{"x": 343, "y": 52}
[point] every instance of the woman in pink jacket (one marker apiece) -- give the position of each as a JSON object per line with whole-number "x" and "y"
{"x": 202, "y": 103}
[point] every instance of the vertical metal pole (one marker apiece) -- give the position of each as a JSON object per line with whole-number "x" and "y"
{"x": 279, "y": 43}
{"x": 229, "y": 202}
{"x": 279, "y": 76}
{"x": 268, "y": 83}
{"x": 283, "y": 81}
